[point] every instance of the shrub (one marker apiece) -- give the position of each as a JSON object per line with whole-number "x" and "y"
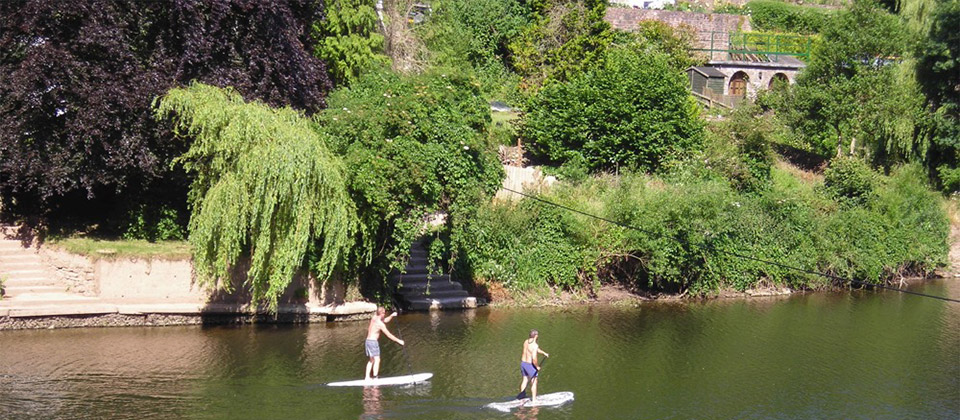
{"x": 633, "y": 111}
{"x": 777, "y": 16}
{"x": 849, "y": 180}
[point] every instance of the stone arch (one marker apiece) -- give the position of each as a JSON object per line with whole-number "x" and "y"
{"x": 738, "y": 84}
{"x": 779, "y": 78}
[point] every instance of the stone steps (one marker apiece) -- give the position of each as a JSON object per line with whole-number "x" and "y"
{"x": 419, "y": 290}
{"x": 25, "y": 276}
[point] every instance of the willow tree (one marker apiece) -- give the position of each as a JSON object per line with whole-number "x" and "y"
{"x": 265, "y": 188}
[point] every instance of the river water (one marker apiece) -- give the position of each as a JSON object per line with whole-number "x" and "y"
{"x": 868, "y": 355}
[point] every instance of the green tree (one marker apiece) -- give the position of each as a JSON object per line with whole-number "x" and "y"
{"x": 854, "y": 96}
{"x": 412, "y": 146}
{"x": 632, "y": 111}
{"x": 348, "y": 39}
{"x": 265, "y": 188}
{"x": 655, "y": 36}
{"x": 938, "y": 72}
{"x": 565, "y": 38}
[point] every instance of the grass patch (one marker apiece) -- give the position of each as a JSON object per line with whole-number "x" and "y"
{"x": 503, "y": 118}
{"x": 120, "y": 248}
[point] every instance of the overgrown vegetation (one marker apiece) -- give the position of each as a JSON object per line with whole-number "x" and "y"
{"x": 692, "y": 230}
{"x": 778, "y": 16}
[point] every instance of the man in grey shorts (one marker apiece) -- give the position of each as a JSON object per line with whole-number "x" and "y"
{"x": 377, "y": 325}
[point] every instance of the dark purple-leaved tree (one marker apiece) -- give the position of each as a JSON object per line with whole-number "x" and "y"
{"x": 78, "y": 79}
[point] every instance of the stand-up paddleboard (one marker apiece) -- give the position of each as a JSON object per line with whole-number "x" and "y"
{"x": 392, "y": 380}
{"x": 546, "y": 400}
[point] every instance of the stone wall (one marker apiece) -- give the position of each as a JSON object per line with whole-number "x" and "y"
{"x": 173, "y": 281}
{"x": 529, "y": 179}
{"x": 157, "y": 279}
{"x": 75, "y": 272}
{"x": 629, "y": 19}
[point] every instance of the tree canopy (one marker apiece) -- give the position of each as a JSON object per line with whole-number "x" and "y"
{"x": 631, "y": 111}
{"x": 77, "y": 80}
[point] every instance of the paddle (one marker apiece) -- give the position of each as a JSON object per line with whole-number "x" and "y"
{"x": 523, "y": 394}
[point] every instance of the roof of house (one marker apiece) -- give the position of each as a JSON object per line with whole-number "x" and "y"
{"x": 707, "y": 71}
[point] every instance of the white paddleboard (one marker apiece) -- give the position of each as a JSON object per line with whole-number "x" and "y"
{"x": 546, "y": 400}
{"x": 392, "y": 380}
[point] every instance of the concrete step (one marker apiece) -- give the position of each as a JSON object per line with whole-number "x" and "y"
{"x": 12, "y": 274}
{"x": 421, "y": 269}
{"x": 54, "y": 298}
{"x": 26, "y": 279}
{"x": 31, "y": 281}
{"x": 420, "y": 278}
{"x": 417, "y": 260}
{"x": 442, "y": 303}
{"x": 6, "y": 266}
{"x": 21, "y": 256}
{"x": 436, "y": 294}
{"x": 431, "y": 286}
{"x": 17, "y": 253}
{"x": 16, "y": 290}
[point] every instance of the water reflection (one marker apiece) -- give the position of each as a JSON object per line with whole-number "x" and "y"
{"x": 371, "y": 403}
{"x": 528, "y": 413}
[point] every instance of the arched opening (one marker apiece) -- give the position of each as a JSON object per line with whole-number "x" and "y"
{"x": 779, "y": 79}
{"x": 738, "y": 84}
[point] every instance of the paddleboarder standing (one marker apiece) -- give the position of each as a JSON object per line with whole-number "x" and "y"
{"x": 377, "y": 325}
{"x": 530, "y": 366}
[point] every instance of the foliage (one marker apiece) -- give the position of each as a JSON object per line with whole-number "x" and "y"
{"x": 266, "y": 186}
{"x": 655, "y": 36}
{"x": 154, "y": 223}
{"x": 472, "y": 36}
{"x": 729, "y": 9}
{"x": 77, "y": 80}
{"x": 855, "y": 95}
{"x": 692, "y": 232}
{"x": 475, "y": 31}
{"x": 778, "y": 16}
{"x": 849, "y": 180}
{"x": 738, "y": 148}
{"x": 349, "y": 41}
{"x": 566, "y": 38}
{"x": 938, "y": 73}
{"x": 411, "y": 146}
{"x": 523, "y": 246}
{"x": 632, "y": 111}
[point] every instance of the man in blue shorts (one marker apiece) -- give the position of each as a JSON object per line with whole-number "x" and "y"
{"x": 530, "y": 366}
{"x": 371, "y": 345}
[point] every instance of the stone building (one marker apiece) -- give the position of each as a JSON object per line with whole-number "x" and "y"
{"x": 738, "y": 63}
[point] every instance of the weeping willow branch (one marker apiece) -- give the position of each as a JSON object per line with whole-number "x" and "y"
{"x": 265, "y": 186}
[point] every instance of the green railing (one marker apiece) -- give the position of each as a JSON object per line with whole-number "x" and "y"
{"x": 761, "y": 45}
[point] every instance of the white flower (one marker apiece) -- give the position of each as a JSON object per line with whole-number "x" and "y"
{"x": 466, "y": 147}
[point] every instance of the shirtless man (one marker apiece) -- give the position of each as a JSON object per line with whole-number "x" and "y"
{"x": 372, "y": 345}
{"x": 529, "y": 365}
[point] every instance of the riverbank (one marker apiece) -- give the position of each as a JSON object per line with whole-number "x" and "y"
{"x": 50, "y": 287}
